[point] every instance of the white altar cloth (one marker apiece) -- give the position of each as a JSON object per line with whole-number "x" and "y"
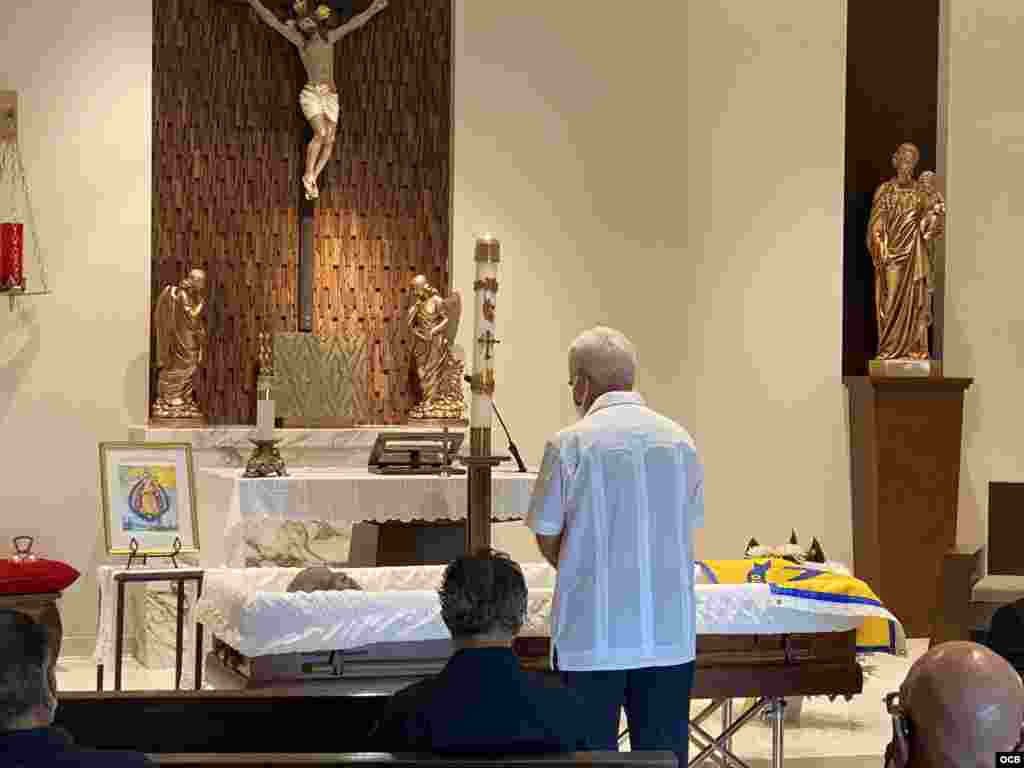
{"x": 344, "y": 496}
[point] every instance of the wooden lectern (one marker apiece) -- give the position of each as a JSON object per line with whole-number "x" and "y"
{"x": 905, "y": 438}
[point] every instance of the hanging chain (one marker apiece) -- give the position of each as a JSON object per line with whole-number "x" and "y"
{"x": 11, "y": 162}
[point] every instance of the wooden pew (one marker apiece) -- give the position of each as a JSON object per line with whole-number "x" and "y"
{"x": 229, "y": 722}
{"x": 956, "y": 612}
{"x": 386, "y": 760}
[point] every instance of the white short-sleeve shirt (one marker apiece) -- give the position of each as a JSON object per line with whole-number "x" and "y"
{"x": 625, "y": 488}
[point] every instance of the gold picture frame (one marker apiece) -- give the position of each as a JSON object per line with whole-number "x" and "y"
{"x": 148, "y": 498}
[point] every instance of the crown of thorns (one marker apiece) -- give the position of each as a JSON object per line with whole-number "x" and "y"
{"x": 322, "y": 12}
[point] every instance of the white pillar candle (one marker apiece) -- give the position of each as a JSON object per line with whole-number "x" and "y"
{"x": 485, "y": 289}
{"x": 264, "y": 419}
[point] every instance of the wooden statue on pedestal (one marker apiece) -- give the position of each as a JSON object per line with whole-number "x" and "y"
{"x": 180, "y": 327}
{"x": 906, "y": 418}
{"x": 907, "y": 216}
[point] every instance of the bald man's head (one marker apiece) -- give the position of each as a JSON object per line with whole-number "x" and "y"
{"x": 964, "y": 703}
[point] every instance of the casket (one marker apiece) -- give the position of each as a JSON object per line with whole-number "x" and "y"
{"x": 266, "y": 636}
{"x": 757, "y": 641}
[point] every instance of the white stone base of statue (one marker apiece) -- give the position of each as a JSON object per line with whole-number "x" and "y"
{"x": 905, "y": 368}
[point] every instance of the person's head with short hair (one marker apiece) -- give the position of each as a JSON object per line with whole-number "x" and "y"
{"x": 959, "y": 705}
{"x": 26, "y": 700}
{"x": 483, "y": 599}
{"x": 601, "y": 360}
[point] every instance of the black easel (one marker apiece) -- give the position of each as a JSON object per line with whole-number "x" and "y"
{"x": 133, "y": 547}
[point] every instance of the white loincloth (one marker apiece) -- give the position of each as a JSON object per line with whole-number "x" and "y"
{"x": 319, "y": 100}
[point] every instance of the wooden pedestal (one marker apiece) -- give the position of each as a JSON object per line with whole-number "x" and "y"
{"x": 905, "y": 437}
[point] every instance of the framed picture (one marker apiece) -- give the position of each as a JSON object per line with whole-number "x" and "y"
{"x": 149, "y": 496}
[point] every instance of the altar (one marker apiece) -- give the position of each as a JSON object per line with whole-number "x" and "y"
{"x": 307, "y": 518}
{"x": 342, "y": 497}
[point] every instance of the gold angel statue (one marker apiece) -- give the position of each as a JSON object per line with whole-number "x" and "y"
{"x": 180, "y": 328}
{"x": 434, "y": 322}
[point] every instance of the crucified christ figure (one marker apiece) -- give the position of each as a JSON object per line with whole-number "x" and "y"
{"x": 307, "y": 30}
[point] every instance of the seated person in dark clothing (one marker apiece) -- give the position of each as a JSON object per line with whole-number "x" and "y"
{"x": 483, "y": 701}
{"x": 1006, "y": 636}
{"x": 27, "y": 705}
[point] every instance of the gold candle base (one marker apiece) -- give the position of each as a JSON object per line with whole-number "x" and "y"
{"x": 265, "y": 460}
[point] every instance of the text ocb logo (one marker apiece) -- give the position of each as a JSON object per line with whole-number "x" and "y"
{"x": 1009, "y": 758}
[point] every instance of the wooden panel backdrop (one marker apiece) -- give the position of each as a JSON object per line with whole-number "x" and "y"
{"x": 229, "y": 143}
{"x": 383, "y": 215}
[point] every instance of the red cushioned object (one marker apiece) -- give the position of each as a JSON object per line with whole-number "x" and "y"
{"x": 35, "y": 577}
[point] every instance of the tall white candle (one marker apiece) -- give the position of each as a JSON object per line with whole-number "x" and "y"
{"x": 264, "y": 419}
{"x": 485, "y": 290}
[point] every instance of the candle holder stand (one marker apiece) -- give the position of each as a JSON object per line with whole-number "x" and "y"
{"x": 265, "y": 460}
{"x": 478, "y": 500}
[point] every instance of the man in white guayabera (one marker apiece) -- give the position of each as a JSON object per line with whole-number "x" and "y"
{"x": 615, "y": 508}
{"x": 308, "y": 31}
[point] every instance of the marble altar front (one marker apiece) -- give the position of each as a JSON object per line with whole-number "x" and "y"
{"x": 281, "y": 543}
{"x": 335, "y": 500}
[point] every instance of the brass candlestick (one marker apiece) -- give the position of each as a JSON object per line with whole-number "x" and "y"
{"x": 265, "y": 460}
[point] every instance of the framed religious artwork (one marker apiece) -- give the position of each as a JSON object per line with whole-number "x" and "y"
{"x": 148, "y": 498}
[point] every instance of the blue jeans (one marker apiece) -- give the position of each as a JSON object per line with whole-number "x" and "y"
{"x": 657, "y": 703}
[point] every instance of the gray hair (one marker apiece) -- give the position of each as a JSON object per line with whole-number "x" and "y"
{"x": 483, "y": 594}
{"x": 605, "y": 357}
{"x": 24, "y": 667}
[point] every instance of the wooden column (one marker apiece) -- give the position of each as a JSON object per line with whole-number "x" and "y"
{"x": 307, "y": 260}
{"x": 905, "y": 437}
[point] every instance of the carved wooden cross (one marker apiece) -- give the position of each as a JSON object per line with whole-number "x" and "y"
{"x": 488, "y": 340}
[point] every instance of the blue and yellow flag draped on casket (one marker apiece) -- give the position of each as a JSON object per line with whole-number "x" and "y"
{"x": 817, "y": 591}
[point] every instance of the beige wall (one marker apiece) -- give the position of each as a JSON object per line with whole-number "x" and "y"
{"x": 677, "y": 175}
{"x": 73, "y": 364}
{"x": 984, "y": 271}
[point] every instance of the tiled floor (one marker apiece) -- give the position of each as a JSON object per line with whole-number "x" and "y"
{"x": 838, "y": 734}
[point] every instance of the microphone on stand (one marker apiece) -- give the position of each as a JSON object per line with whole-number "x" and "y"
{"x": 511, "y": 445}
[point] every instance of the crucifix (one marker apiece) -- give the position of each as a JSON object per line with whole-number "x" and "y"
{"x": 488, "y": 341}
{"x": 308, "y": 29}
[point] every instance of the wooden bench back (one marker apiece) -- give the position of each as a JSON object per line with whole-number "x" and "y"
{"x": 386, "y": 760}
{"x": 1005, "y": 529}
{"x": 219, "y": 721}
